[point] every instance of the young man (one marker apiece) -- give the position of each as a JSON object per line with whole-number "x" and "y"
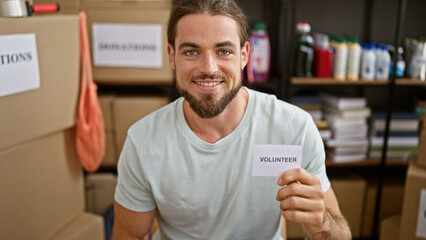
{"x": 190, "y": 163}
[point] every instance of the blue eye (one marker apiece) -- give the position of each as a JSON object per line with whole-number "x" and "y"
{"x": 224, "y": 52}
{"x": 190, "y": 53}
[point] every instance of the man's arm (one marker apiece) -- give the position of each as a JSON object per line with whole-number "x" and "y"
{"x": 131, "y": 225}
{"x": 303, "y": 201}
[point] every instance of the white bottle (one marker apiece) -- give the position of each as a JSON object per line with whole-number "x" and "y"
{"x": 368, "y": 63}
{"x": 340, "y": 59}
{"x": 354, "y": 59}
{"x": 383, "y": 63}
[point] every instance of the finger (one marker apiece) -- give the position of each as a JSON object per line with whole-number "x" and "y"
{"x": 300, "y": 190}
{"x": 302, "y": 204}
{"x": 309, "y": 218}
{"x": 297, "y": 175}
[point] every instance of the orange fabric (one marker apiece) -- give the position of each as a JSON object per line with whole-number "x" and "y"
{"x": 90, "y": 142}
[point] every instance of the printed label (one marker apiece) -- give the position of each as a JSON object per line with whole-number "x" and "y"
{"x": 19, "y": 69}
{"x": 421, "y": 218}
{"x": 260, "y": 56}
{"x": 127, "y": 45}
{"x": 274, "y": 160}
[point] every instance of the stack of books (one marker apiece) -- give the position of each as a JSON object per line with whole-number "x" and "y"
{"x": 403, "y": 140}
{"x": 347, "y": 120}
{"x": 313, "y": 105}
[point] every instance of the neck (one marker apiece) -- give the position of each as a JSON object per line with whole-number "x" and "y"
{"x": 213, "y": 129}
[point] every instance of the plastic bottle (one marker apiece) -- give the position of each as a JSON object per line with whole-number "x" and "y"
{"x": 304, "y": 50}
{"x": 383, "y": 63}
{"x": 323, "y": 56}
{"x": 258, "y": 66}
{"x": 340, "y": 59}
{"x": 400, "y": 63}
{"x": 368, "y": 63}
{"x": 354, "y": 58}
{"x": 419, "y": 61}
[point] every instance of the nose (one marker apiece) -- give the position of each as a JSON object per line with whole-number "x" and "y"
{"x": 208, "y": 64}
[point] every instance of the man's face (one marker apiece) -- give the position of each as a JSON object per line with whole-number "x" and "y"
{"x": 207, "y": 59}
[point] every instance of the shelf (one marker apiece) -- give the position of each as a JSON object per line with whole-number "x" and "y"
{"x": 332, "y": 81}
{"x": 370, "y": 162}
{"x": 410, "y": 82}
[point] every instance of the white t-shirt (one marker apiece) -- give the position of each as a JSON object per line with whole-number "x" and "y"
{"x": 207, "y": 191}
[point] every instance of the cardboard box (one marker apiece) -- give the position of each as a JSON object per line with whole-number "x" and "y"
{"x": 369, "y": 209}
{"x": 111, "y": 157}
{"x": 41, "y": 186}
{"x": 65, "y": 6}
{"x": 414, "y": 183}
{"x": 389, "y": 228}
{"x": 421, "y": 159}
{"x": 350, "y": 192}
{"x": 125, "y": 5}
{"x": 128, "y": 110}
{"x": 100, "y": 189}
{"x": 132, "y": 75}
{"x": 52, "y": 107}
{"x": 294, "y": 230}
{"x": 86, "y": 226}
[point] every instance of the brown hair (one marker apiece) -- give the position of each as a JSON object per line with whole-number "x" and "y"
{"x": 227, "y": 8}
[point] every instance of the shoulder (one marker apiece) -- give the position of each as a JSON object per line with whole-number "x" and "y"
{"x": 269, "y": 105}
{"x": 155, "y": 122}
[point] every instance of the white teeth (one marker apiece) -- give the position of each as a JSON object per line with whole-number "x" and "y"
{"x": 208, "y": 84}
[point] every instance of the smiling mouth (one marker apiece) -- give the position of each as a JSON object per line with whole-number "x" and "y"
{"x": 208, "y": 84}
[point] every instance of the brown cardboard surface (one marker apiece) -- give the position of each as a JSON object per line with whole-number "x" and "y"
{"x": 86, "y": 226}
{"x": 389, "y": 228}
{"x": 41, "y": 186}
{"x": 52, "y": 107}
{"x": 111, "y": 158}
{"x": 128, "y": 110}
{"x": 350, "y": 192}
{"x": 415, "y": 181}
{"x": 421, "y": 159}
{"x": 125, "y": 5}
{"x": 129, "y": 75}
{"x": 391, "y": 189}
{"x": 100, "y": 189}
{"x": 106, "y": 101}
{"x": 369, "y": 209}
{"x": 294, "y": 230}
{"x": 66, "y": 6}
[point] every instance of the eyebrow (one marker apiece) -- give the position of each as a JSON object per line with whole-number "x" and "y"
{"x": 226, "y": 44}
{"x": 194, "y": 45}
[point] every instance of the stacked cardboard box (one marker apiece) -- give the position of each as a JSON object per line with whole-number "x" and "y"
{"x": 110, "y": 159}
{"x": 413, "y": 217}
{"x": 391, "y": 189}
{"x": 389, "y": 228}
{"x": 131, "y": 18}
{"x": 41, "y": 179}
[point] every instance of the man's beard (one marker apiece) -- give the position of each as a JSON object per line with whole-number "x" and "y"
{"x": 206, "y": 106}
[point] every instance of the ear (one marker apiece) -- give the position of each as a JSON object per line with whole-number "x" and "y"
{"x": 245, "y": 53}
{"x": 171, "y": 53}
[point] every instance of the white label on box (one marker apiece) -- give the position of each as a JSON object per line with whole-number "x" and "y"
{"x": 127, "y": 45}
{"x": 19, "y": 70}
{"x": 421, "y": 219}
{"x": 274, "y": 160}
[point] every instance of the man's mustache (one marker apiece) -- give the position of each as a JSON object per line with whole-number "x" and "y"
{"x": 203, "y": 76}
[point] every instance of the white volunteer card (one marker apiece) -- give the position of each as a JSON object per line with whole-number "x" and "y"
{"x": 274, "y": 160}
